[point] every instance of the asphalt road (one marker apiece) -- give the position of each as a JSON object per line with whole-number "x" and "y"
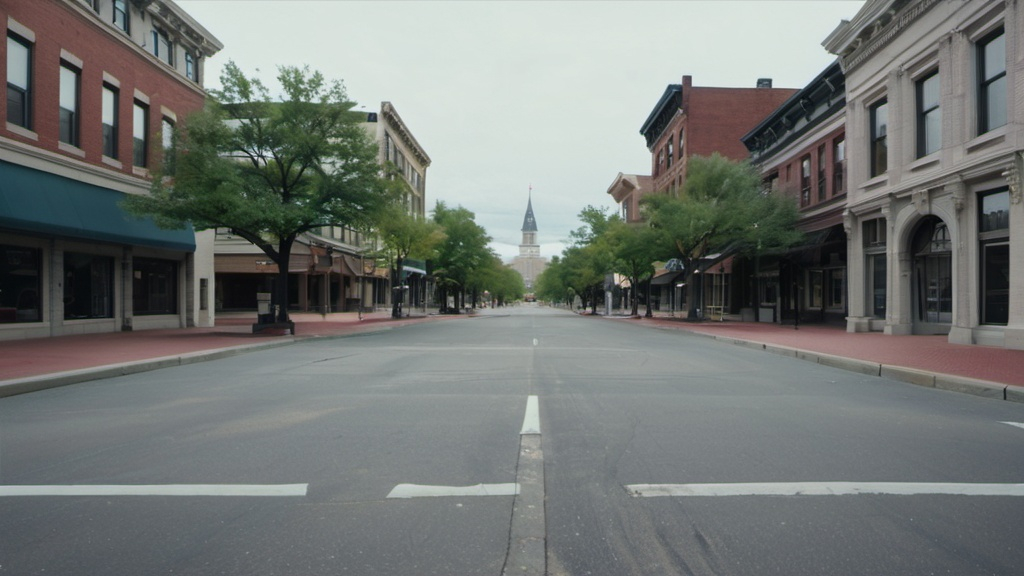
{"x": 401, "y": 453}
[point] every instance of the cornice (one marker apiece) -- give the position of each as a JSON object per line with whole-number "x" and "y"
{"x": 394, "y": 121}
{"x": 868, "y": 37}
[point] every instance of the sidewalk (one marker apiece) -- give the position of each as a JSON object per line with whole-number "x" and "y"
{"x": 40, "y": 363}
{"x": 28, "y": 365}
{"x": 923, "y": 360}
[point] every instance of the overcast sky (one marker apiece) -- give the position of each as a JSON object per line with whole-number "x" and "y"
{"x": 503, "y": 95}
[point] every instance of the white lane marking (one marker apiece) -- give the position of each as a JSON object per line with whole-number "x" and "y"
{"x": 531, "y": 421}
{"x": 535, "y": 342}
{"x": 824, "y": 489}
{"x": 421, "y": 491}
{"x": 1017, "y": 424}
{"x": 158, "y": 490}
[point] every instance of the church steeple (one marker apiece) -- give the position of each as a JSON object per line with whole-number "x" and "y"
{"x": 529, "y": 246}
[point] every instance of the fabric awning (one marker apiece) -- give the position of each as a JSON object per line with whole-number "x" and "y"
{"x": 44, "y": 203}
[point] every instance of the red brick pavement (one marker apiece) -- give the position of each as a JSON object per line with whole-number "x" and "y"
{"x": 929, "y": 353}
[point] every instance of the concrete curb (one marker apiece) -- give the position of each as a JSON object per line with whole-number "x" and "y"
{"x": 58, "y": 379}
{"x": 948, "y": 382}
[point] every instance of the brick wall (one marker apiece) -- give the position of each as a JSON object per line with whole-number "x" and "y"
{"x": 101, "y": 49}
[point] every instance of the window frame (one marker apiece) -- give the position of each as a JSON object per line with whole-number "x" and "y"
{"x": 805, "y": 180}
{"x": 69, "y": 129}
{"x": 926, "y": 111}
{"x": 839, "y": 165}
{"x": 24, "y": 117}
{"x": 109, "y": 131}
{"x": 121, "y": 8}
{"x": 985, "y": 84}
{"x": 162, "y": 39}
{"x": 140, "y": 137}
{"x": 879, "y": 143}
{"x": 822, "y": 173}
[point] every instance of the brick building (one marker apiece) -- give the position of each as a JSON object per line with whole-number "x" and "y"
{"x": 94, "y": 90}
{"x": 935, "y": 133}
{"x": 692, "y": 121}
{"x": 800, "y": 150}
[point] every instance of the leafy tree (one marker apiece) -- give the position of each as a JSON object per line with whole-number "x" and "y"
{"x": 721, "y": 207}
{"x": 504, "y": 283}
{"x": 404, "y": 236}
{"x": 270, "y": 170}
{"x": 463, "y": 251}
{"x": 551, "y": 285}
{"x": 634, "y": 249}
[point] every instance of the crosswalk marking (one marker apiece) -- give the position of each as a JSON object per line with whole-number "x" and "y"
{"x": 824, "y": 489}
{"x": 158, "y": 490}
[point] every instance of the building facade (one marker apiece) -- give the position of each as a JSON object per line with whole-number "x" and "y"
{"x": 935, "y": 132}
{"x": 690, "y": 121}
{"x": 529, "y": 263}
{"x": 337, "y": 268}
{"x": 800, "y": 150}
{"x": 94, "y": 90}
{"x": 627, "y": 190}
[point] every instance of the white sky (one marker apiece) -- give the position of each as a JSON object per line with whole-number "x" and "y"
{"x": 507, "y": 94}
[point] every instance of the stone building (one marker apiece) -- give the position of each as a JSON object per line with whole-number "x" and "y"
{"x": 529, "y": 263}
{"x": 935, "y": 131}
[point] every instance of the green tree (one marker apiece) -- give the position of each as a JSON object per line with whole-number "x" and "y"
{"x": 721, "y": 208}
{"x": 634, "y": 248}
{"x": 463, "y": 251}
{"x": 503, "y": 283}
{"x": 270, "y": 170}
{"x": 405, "y": 236}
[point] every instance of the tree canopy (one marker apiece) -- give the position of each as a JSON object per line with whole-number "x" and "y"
{"x": 463, "y": 251}
{"x": 270, "y": 169}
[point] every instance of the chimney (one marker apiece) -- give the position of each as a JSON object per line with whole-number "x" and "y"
{"x": 764, "y": 82}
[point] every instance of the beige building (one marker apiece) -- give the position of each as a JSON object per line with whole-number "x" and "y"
{"x": 335, "y": 269}
{"x": 935, "y": 132}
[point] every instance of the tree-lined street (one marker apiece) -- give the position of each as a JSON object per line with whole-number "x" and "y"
{"x": 621, "y": 410}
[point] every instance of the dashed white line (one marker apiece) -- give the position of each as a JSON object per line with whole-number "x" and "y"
{"x": 158, "y": 490}
{"x": 824, "y": 489}
{"x": 1017, "y": 424}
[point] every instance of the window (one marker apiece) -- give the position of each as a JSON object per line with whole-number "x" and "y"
{"x": 154, "y": 286}
{"x": 21, "y": 272}
{"x": 191, "y": 69}
{"x": 671, "y": 152}
{"x": 874, "y": 249}
{"x": 162, "y": 46}
{"x": 167, "y": 138}
{"x": 929, "y": 116}
{"x": 805, "y": 181}
{"x": 88, "y": 286}
{"x": 19, "y": 82}
{"x": 839, "y": 165}
{"x": 121, "y": 19}
{"x": 69, "y": 115}
{"x": 682, "y": 142}
{"x": 835, "y": 296}
{"x": 879, "y": 131}
{"x": 992, "y": 82}
{"x": 994, "y": 228}
{"x": 109, "y": 121}
{"x": 140, "y": 128}
{"x": 814, "y": 291}
{"x": 821, "y": 173}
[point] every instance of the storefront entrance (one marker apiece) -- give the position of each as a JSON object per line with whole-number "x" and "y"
{"x": 932, "y": 277}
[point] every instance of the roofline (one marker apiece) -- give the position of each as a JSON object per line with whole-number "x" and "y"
{"x": 666, "y": 97}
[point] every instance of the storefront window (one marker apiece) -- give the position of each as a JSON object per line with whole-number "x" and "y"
{"x": 20, "y": 284}
{"x": 88, "y": 286}
{"x": 154, "y": 286}
{"x": 814, "y": 289}
{"x": 994, "y": 231}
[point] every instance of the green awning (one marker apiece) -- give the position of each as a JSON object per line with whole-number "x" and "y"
{"x": 44, "y": 203}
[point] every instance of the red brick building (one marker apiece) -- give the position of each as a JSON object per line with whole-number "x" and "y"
{"x": 699, "y": 121}
{"x": 94, "y": 90}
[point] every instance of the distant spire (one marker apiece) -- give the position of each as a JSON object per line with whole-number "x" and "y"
{"x": 529, "y": 222}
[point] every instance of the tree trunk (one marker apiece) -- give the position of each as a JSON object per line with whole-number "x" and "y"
{"x": 397, "y": 293}
{"x": 281, "y": 296}
{"x": 633, "y": 299}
